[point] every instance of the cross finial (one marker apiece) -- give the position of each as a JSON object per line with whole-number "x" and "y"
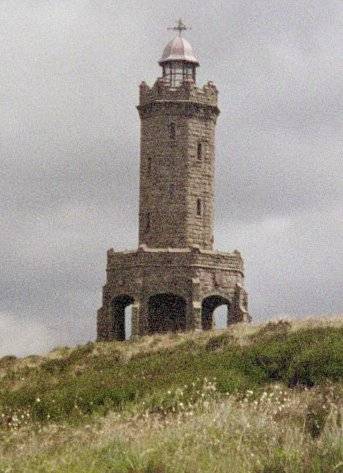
{"x": 180, "y": 27}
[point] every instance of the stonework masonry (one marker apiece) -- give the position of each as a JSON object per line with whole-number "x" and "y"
{"x": 172, "y": 175}
{"x": 175, "y": 280}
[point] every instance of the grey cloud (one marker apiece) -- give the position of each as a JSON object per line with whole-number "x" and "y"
{"x": 34, "y": 336}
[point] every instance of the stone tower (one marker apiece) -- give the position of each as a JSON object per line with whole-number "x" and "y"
{"x": 175, "y": 280}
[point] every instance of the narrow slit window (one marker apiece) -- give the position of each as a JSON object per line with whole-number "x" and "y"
{"x": 148, "y": 222}
{"x": 198, "y": 207}
{"x": 199, "y": 151}
{"x": 172, "y": 190}
{"x": 172, "y": 131}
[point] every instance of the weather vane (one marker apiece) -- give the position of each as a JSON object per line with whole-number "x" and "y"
{"x": 180, "y": 27}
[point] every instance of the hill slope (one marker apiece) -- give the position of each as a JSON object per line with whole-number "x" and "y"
{"x": 248, "y": 399}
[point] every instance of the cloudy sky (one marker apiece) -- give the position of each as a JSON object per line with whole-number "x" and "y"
{"x": 69, "y": 141}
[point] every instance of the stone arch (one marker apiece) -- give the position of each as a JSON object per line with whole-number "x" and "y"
{"x": 166, "y": 313}
{"x": 118, "y": 306}
{"x": 209, "y": 305}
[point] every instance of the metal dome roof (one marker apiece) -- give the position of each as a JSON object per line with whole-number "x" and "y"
{"x": 178, "y": 49}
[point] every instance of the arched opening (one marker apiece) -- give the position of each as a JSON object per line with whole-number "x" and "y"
{"x": 167, "y": 313}
{"x": 122, "y": 317}
{"x": 212, "y": 312}
{"x": 220, "y": 317}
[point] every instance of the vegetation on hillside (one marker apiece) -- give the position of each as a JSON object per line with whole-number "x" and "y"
{"x": 253, "y": 399}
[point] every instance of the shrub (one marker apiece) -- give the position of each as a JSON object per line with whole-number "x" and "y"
{"x": 219, "y": 342}
{"x": 306, "y": 358}
{"x": 278, "y": 329}
{"x": 55, "y": 366}
{"x": 7, "y": 361}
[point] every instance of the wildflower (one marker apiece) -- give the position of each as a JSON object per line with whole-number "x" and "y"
{"x": 38, "y": 399}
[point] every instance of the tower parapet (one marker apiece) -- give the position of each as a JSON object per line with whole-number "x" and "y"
{"x": 186, "y": 92}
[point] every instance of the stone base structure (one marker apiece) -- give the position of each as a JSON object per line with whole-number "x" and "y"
{"x": 170, "y": 290}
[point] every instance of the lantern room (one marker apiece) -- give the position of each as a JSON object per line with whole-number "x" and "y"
{"x": 178, "y": 61}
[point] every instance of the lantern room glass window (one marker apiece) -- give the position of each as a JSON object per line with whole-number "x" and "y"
{"x": 177, "y": 71}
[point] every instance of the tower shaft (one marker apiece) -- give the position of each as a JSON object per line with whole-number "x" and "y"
{"x": 177, "y": 165}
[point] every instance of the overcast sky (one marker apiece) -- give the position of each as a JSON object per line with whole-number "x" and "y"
{"x": 69, "y": 138}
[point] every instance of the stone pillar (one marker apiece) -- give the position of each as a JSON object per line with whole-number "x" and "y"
{"x": 189, "y": 314}
{"x": 196, "y": 305}
{"x": 239, "y": 307}
{"x": 197, "y": 325}
{"x": 228, "y": 315}
{"x": 135, "y": 321}
{"x": 101, "y": 325}
{"x": 143, "y": 319}
{"x": 104, "y": 325}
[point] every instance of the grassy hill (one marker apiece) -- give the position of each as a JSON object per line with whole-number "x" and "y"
{"x": 265, "y": 399}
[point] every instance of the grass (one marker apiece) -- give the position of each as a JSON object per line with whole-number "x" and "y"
{"x": 248, "y": 399}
